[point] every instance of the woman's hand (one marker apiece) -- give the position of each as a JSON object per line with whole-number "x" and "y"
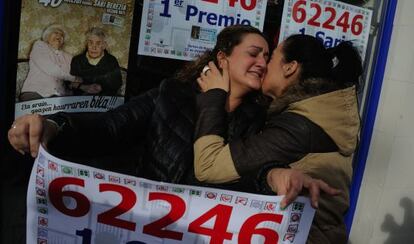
{"x": 91, "y": 89}
{"x": 28, "y": 131}
{"x": 290, "y": 182}
{"x": 76, "y": 83}
{"x": 212, "y": 78}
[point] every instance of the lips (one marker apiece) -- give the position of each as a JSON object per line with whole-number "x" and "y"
{"x": 259, "y": 74}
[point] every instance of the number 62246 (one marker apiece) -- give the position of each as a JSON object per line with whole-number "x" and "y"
{"x": 221, "y": 214}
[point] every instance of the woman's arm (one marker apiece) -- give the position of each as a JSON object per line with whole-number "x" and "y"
{"x": 98, "y": 133}
{"x": 217, "y": 162}
{"x": 286, "y": 138}
{"x": 40, "y": 56}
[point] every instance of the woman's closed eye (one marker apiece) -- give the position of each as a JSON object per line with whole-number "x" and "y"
{"x": 254, "y": 52}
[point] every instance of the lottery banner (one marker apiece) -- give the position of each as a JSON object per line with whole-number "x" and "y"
{"x": 72, "y": 203}
{"x": 184, "y": 29}
{"x": 330, "y": 21}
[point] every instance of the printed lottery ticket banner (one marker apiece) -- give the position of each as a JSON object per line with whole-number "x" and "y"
{"x": 68, "y": 104}
{"x": 184, "y": 29}
{"x": 330, "y": 21}
{"x": 72, "y": 203}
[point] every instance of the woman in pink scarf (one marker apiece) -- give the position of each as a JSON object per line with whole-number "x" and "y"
{"x": 49, "y": 67}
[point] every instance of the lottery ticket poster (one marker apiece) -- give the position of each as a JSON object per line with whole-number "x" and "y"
{"x": 72, "y": 203}
{"x": 184, "y": 29}
{"x": 328, "y": 20}
{"x": 45, "y": 81}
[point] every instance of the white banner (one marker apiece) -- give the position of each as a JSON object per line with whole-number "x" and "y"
{"x": 328, "y": 20}
{"x": 71, "y": 104}
{"x": 72, "y": 203}
{"x": 184, "y": 29}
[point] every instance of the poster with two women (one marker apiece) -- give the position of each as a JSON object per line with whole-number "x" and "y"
{"x": 72, "y": 56}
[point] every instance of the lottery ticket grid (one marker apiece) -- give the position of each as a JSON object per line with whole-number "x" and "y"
{"x": 194, "y": 38}
{"x": 41, "y": 229}
{"x": 289, "y": 27}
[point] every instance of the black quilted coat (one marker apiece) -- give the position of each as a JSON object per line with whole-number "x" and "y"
{"x": 151, "y": 136}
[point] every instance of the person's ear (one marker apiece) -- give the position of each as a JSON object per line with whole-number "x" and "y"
{"x": 290, "y": 68}
{"x": 221, "y": 57}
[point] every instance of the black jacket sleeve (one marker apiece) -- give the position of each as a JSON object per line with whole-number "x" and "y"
{"x": 286, "y": 138}
{"x": 98, "y": 133}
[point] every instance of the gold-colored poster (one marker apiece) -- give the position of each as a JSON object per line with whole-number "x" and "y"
{"x": 73, "y": 55}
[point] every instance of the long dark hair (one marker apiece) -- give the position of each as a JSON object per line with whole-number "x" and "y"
{"x": 227, "y": 39}
{"x": 323, "y": 70}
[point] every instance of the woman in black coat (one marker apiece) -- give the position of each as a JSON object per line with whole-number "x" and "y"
{"x": 99, "y": 70}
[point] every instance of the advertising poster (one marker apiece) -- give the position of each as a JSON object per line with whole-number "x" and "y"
{"x": 73, "y": 203}
{"x": 73, "y": 55}
{"x": 328, "y": 20}
{"x": 184, "y": 29}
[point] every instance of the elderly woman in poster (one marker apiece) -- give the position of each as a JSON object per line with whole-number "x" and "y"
{"x": 98, "y": 69}
{"x": 49, "y": 67}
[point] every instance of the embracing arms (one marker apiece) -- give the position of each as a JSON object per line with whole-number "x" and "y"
{"x": 286, "y": 138}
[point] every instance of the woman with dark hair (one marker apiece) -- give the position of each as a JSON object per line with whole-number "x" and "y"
{"x": 312, "y": 125}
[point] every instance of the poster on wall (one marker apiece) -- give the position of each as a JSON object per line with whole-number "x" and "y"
{"x": 73, "y": 203}
{"x": 330, "y": 21}
{"x": 72, "y": 56}
{"x": 184, "y": 29}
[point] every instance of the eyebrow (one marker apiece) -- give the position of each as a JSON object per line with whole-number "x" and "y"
{"x": 260, "y": 49}
{"x": 257, "y": 47}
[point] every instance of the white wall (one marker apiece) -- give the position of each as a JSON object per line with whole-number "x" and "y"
{"x": 385, "y": 210}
